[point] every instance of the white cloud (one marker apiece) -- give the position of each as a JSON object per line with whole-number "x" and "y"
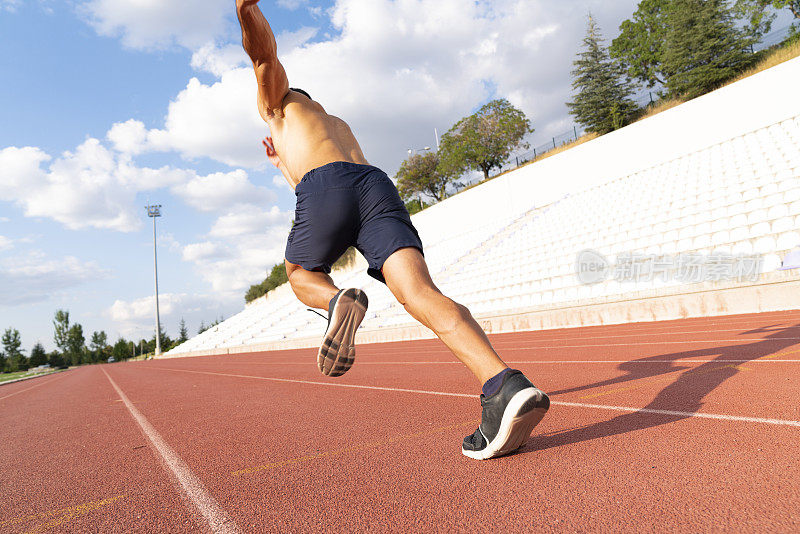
{"x": 6, "y": 243}
{"x": 124, "y": 311}
{"x": 136, "y": 318}
{"x": 129, "y": 137}
{"x": 205, "y": 251}
{"x": 218, "y": 121}
{"x": 292, "y": 39}
{"x": 91, "y": 187}
{"x": 394, "y": 71}
{"x": 34, "y": 277}
{"x": 149, "y": 24}
{"x": 95, "y": 187}
{"x": 168, "y": 240}
{"x": 223, "y": 191}
{"x": 240, "y": 247}
{"x": 292, "y": 4}
{"x": 219, "y": 59}
{"x": 246, "y": 222}
{"x": 10, "y": 5}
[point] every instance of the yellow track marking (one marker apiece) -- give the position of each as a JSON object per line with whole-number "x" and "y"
{"x": 779, "y": 354}
{"x": 356, "y": 448}
{"x": 60, "y": 516}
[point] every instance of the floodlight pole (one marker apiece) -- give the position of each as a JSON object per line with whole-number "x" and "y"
{"x": 154, "y": 211}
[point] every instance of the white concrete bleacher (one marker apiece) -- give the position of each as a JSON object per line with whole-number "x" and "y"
{"x": 719, "y": 174}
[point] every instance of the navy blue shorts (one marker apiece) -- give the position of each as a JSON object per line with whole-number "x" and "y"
{"x": 345, "y": 204}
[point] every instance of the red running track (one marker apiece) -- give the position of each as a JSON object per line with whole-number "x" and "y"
{"x": 688, "y": 425}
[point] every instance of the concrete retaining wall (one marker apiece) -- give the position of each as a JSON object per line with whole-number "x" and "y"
{"x": 776, "y": 291}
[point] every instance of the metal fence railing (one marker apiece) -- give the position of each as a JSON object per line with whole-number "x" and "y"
{"x": 773, "y": 38}
{"x": 537, "y": 151}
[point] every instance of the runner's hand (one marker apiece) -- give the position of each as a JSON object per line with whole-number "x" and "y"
{"x": 271, "y": 154}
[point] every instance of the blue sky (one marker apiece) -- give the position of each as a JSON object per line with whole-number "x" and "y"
{"x": 105, "y": 104}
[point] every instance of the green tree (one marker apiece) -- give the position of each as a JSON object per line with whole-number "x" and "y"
{"x": 166, "y": 342}
{"x": 346, "y": 259}
{"x": 121, "y": 350}
{"x": 14, "y": 359}
{"x": 484, "y": 140}
{"x": 98, "y": 345}
{"x": 276, "y": 277}
{"x": 760, "y": 14}
{"x": 38, "y": 355}
{"x": 640, "y": 45}
{"x": 202, "y": 328}
{"x": 76, "y": 344}
{"x": 61, "y": 327}
{"x": 56, "y": 359}
{"x": 703, "y": 48}
{"x": 602, "y": 101}
{"x": 416, "y": 205}
{"x": 183, "y": 332}
{"x": 422, "y": 174}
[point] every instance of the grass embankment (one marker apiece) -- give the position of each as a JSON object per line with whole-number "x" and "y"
{"x": 6, "y": 377}
{"x": 771, "y": 59}
{"x": 776, "y": 57}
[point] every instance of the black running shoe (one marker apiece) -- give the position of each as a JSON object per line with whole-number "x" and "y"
{"x": 345, "y": 313}
{"x": 508, "y": 418}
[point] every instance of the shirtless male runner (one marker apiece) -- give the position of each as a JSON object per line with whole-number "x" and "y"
{"x": 343, "y": 201}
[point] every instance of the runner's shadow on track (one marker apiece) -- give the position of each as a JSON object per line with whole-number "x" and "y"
{"x": 684, "y": 394}
{"x": 663, "y": 364}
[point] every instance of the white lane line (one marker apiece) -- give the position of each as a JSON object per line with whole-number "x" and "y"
{"x": 549, "y": 362}
{"x": 30, "y": 388}
{"x": 649, "y": 330}
{"x": 739, "y": 343}
{"x": 643, "y": 334}
{"x": 192, "y": 487}
{"x": 720, "y": 417}
{"x": 742, "y": 343}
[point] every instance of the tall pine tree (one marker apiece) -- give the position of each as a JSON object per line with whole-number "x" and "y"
{"x": 183, "y": 332}
{"x": 602, "y": 101}
{"x": 38, "y": 355}
{"x": 703, "y": 47}
{"x": 639, "y": 47}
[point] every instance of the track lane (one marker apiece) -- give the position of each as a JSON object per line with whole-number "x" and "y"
{"x": 341, "y": 459}
{"x": 74, "y": 461}
{"x": 287, "y": 456}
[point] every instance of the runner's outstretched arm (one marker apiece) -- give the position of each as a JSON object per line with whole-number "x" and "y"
{"x": 259, "y": 43}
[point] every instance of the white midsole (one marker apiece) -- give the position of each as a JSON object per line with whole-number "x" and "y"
{"x": 506, "y": 424}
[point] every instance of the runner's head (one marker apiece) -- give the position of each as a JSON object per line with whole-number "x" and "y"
{"x": 296, "y": 90}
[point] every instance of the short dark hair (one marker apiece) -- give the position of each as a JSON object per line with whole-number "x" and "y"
{"x": 296, "y": 90}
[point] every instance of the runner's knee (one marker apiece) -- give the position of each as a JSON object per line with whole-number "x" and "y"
{"x": 438, "y": 312}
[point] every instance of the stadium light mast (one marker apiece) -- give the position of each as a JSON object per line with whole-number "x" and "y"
{"x": 154, "y": 211}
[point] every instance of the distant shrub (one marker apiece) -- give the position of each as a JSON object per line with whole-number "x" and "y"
{"x": 276, "y": 278}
